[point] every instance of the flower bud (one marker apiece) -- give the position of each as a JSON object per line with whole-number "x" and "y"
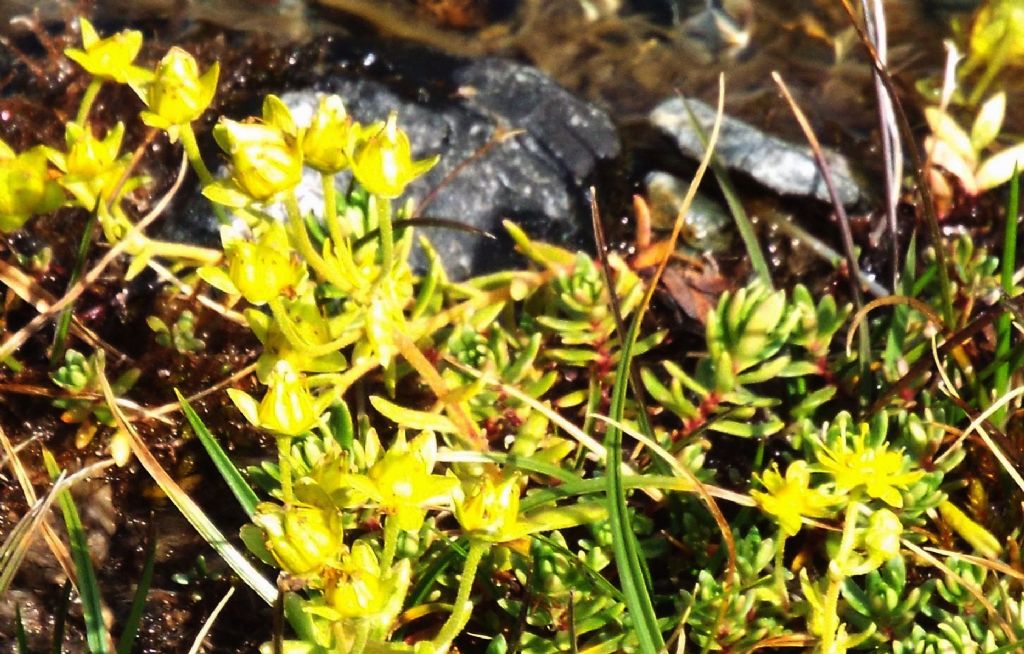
{"x": 178, "y": 95}
{"x": 301, "y": 538}
{"x": 489, "y": 510}
{"x": 260, "y": 271}
{"x": 360, "y": 592}
{"x": 288, "y": 408}
{"x": 882, "y": 539}
{"x": 330, "y": 137}
{"x": 263, "y": 161}
{"x": 383, "y": 162}
{"x": 90, "y": 156}
{"x": 91, "y": 166}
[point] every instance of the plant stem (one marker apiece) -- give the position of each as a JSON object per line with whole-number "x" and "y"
{"x": 192, "y": 253}
{"x": 284, "y": 467}
{"x": 382, "y": 209}
{"x": 300, "y": 237}
{"x": 780, "y": 571}
{"x": 362, "y": 637}
{"x": 836, "y": 576}
{"x": 195, "y": 159}
{"x": 286, "y": 324}
{"x": 995, "y": 64}
{"x": 88, "y": 99}
{"x": 331, "y": 209}
{"x": 390, "y": 542}
{"x": 462, "y": 608}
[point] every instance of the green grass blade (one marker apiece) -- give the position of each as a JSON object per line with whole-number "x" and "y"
{"x": 551, "y": 494}
{"x": 1004, "y": 329}
{"x": 237, "y": 561}
{"x": 236, "y": 482}
{"x": 131, "y": 623}
{"x": 64, "y": 320}
{"x": 739, "y": 214}
{"x": 624, "y": 543}
{"x": 19, "y": 629}
{"x": 15, "y": 546}
{"x": 628, "y": 561}
{"x": 88, "y": 587}
{"x": 60, "y": 617}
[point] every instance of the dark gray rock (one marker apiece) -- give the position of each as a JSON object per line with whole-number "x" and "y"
{"x": 782, "y": 166}
{"x": 535, "y": 178}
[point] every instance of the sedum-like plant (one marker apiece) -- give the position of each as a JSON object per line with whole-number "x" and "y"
{"x": 445, "y": 477}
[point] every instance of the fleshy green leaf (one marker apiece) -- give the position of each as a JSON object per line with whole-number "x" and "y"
{"x": 412, "y": 419}
{"x": 989, "y": 121}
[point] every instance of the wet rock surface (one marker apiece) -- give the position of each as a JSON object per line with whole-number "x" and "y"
{"x": 707, "y": 227}
{"x": 513, "y": 145}
{"x": 784, "y": 167}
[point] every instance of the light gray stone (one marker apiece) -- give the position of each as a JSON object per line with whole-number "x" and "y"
{"x": 784, "y": 167}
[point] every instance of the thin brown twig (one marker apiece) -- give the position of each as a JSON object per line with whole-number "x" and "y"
{"x": 31, "y": 292}
{"x": 892, "y": 151}
{"x": 501, "y": 134}
{"x": 826, "y": 174}
{"x": 172, "y": 407}
{"x": 40, "y": 391}
{"x": 730, "y": 543}
{"x": 931, "y": 219}
{"x": 984, "y": 319}
{"x": 969, "y": 586}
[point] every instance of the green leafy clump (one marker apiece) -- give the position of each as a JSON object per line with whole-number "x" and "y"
{"x": 475, "y": 465}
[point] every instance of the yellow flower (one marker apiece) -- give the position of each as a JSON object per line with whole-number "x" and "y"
{"x": 261, "y": 270}
{"x": 258, "y": 270}
{"x": 111, "y": 58}
{"x": 330, "y": 137}
{"x": 266, "y": 157}
{"x": 881, "y": 472}
{"x": 311, "y": 341}
{"x": 177, "y": 94}
{"x": 359, "y": 591}
{"x": 401, "y": 482}
{"x": 91, "y": 166}
{"x": 288, "y": 408}
{"x": 383, "y": 160}
{"x": 25, "y": 187}
{"x": 490, "y": 511}
{"x": 790, "y": 499}
{"x": 301, "y": 538}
